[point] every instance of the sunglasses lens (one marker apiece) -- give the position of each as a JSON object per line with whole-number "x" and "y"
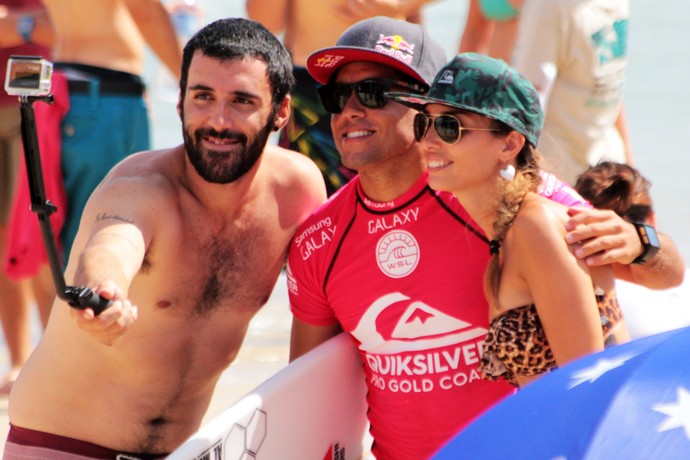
{"x": 329, "y": 99}
{"x": 447, "y": 128}
{"x": 421, "y": 124}
{"x": 371, "y": 94}
{"x": 341, "y": 94}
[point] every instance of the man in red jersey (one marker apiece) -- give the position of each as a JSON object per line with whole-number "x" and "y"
{"x": 393, "y": 263}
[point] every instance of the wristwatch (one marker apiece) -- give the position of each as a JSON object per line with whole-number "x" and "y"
{"x": 650, "y": 242}
{"x": 25, "y": 27}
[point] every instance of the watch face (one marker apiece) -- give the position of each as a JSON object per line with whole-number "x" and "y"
{"x": 650, "y": 242}
{"x": 651, "y": 236}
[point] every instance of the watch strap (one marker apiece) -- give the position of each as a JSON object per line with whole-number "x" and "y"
{"x": 650, "y": 242}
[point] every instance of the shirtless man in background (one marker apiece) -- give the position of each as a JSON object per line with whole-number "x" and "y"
{"x": 309, "y": 25}
{"x": 113, "y": 33}
{"x": 188, "y": 243}
{"x": 100, "y": 46}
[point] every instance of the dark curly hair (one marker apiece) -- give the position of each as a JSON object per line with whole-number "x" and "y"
{"x": 618, "y": 187}
{"x": 237, "y": 38}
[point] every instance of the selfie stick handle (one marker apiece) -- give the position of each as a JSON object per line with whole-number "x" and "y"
{"x": 77, "y": 297}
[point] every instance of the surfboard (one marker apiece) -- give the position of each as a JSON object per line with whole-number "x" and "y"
{"x": 315, "y": 408}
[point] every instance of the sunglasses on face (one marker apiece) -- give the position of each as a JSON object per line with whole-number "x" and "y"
{"x": 369, "y": 93}
{"x": 448, "y": 127}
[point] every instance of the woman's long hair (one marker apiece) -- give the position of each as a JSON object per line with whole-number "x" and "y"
{"x": 527, "y": 179}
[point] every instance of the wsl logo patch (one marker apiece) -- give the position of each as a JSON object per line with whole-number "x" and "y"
{"x": 397, "y": 253}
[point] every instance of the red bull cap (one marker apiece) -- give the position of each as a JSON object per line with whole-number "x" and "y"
{"x": 402, "y": 45}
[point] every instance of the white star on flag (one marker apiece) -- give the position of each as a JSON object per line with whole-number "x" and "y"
{"x": 678, "y": 412}
{"x": 601, "y": 367}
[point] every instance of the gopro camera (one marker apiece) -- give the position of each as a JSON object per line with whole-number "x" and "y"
{"x": 28, "y": 76}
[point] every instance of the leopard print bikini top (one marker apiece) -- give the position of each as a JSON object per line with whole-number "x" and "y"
{"x": 516, "y": 343}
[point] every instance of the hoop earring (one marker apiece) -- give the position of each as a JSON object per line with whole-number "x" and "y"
{"x": 508, "y": 172}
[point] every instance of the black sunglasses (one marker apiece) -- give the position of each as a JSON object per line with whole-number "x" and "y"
{"x": 448, "y": 127}
{"x": 370, "y": 93}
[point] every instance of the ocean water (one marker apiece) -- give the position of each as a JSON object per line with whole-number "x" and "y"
{"x": 657, "y": 97}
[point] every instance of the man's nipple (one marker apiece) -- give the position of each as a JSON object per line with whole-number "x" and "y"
{"x": 163, "y": 304}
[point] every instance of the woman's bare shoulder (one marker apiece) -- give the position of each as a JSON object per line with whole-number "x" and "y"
{"x": 539, "y": 223}
{"x": 538, "y": 212}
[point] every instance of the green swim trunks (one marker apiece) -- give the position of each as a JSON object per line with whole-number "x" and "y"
{"x": 498, "y": 10}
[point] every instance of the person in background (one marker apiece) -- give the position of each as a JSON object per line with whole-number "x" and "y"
{"x": 99, "y": 94}
{"x": 187, "y": 244}
{"x": 575, "y": 52}
{"x": 491, "y": 28}
{"x": 309, "y": 25}
{"x": 479, "y": 126}
{"x": 24, "y": 30}
{"x": 622, "y": 189}
{"x": 100, "y": 47}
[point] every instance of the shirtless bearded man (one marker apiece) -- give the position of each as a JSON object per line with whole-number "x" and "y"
{"x": 188, "y": 243}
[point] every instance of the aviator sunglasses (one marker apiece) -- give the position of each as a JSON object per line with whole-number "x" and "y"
{"x": 369, "y": 93}
{"x": 448, "y": 127}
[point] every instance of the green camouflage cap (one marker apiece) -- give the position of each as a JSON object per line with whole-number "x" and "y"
{"x": 487, "y": 86}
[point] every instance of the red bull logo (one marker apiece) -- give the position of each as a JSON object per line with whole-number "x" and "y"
{"x": 396, "y": 42}
{"x": 396, "y": 47}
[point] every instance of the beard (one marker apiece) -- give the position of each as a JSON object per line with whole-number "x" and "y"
{"x": 225, "y": 166}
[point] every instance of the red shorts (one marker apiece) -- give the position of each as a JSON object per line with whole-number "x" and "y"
{"x": 26, "y": 444}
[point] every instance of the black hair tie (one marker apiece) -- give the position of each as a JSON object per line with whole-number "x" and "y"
{"x": 494, "y": 246}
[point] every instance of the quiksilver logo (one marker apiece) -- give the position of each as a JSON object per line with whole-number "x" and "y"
{"x": 447, "y": 78}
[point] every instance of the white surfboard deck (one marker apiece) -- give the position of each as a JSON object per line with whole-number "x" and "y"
{"x": 653, "y": 311}
{"x": 315, "y": 408}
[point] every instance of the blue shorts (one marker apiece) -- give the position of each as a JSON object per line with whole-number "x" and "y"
{"x": 100, "y": 129}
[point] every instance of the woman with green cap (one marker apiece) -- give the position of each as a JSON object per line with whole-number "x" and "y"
{"x": 479, "y": 125}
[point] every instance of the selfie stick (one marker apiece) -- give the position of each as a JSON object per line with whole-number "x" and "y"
{"x": 78, "y": 297}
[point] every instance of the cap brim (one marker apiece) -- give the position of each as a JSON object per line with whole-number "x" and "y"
{"x": 321, "y": 64}
{"x": 419, "y": 102}
{"x": 414, "y": 101}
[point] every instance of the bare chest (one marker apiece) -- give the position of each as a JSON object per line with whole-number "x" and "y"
{"x": 230, "y": 269}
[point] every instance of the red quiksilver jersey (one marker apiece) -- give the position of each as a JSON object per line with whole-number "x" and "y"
{"x": 405, "y": 279}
